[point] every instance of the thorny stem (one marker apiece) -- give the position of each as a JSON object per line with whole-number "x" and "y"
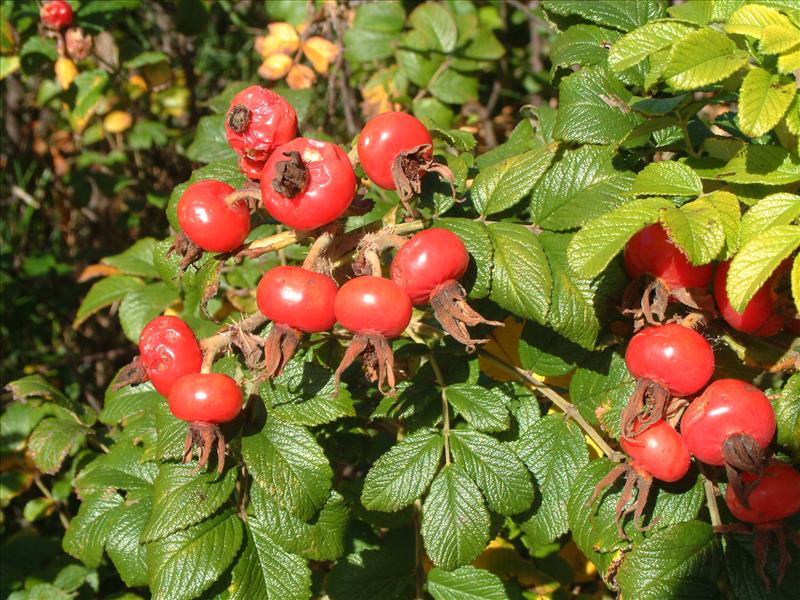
{"x": 213, "y": 345}
{"x": 445, "y": 407}
{"x": 567, "y": 407}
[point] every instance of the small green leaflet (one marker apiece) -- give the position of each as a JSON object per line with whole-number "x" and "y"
{"x": 701, "y": 58}
{"x": 667, "y": 178}
{"x": 486, "y": 409}
{"x": 104, "y": 293}
{"x": 267, "y": 572}
{"x": 91, "y": 527}
{"x": 465, "y": 583}
{"x": 695, "y": 227}
{"x": 651, "y": 37}
{"x": 772, "y": 211}
{"x": 763, "y": 100}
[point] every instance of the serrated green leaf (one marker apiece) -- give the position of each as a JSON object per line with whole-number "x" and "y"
{"x": 210, "y": 141}
{"x": 701, "y": 58}
{"x": 104, "y": 293}
{"x": 787, "y": 415}
{"x": 546, "y": 352}
{"x": 437, "y": 24}
{"x": 188, "y": 562}
{"x": 140, "y": 306}
{"x": 766, "y": 165}
{"x": 771, "y": 211}
{"x": 682, "y": 561}
{"x": 554, "y": 450}
{"x": 454, "y": 87}
{"x": 651, "y": 37}
{"x": 288, "y": 463}
{"x": 484, "y": 408}
{"x": 123, "y": 467}
{"x": 136, "y": 260}
{"x": 603, "y": 387}
{"x": 584, "y": 45}
{"x": 624, "y": 16}
{"x": 90, "y": 528}
{"x": 504, "y": 184}
{"x": 601, "y": 239}
{"x": 496, "y": 470}
{"x": 121, "y": 405}
{"x": 386, "y": 572}
{"x": 729, "y": 211}
{"x": 182, "y": 498}
{"x": 779, "y": 38}
{"x": 465, "y": 583}
{"x": 123, "y": 547}
{"x": 36, "y": 386}
{"x": 745, "y": 581}
{"x": 404, "y": 473}
{"x": 581, "y": 517}
{"x": 521, "y": 281}
{"x": 327, "y": 535}
{"x": 475, "y": 236}
{"x": 52, "y": 440}
{"x": 753, "y": 18}
{"x": 756, "y": 261}
{"x": 763, "y": 100}
{"x": 583, "y": 185}
{"x": 667, "y": 178}
{"x": 455, "y": 523}
{"x": 594, "y": 108}
{"x": 789, "y": 62}
{"x": 171, "y": 433}
{"x": 696, "y": 228}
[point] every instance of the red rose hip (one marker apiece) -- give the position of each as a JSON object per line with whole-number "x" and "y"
{"x": 210, "y": 222}
{"x": 774, "y": 497}
{"x": 205, "y": 398}
{"x": 56, "y": 14}
{"x": 168, "y": 350}
{"x": 258, "y": 121}
{"x": 759, "y": 316}
{"x": 660, "y": 451}
{"x": 652, "y": 252}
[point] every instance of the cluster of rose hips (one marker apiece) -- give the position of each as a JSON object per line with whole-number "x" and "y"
{"x": 306, "y": 184}
{"x": 730, "y": 424}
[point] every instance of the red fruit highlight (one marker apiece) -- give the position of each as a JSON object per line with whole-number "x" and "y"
{"x": 373, "y": 306}
{"x": 258, "y": 121}
{"x": 205, "y": 398}
{"x": 168, "y": 351}
{"x": 298, "y": 298}
{"x": 660, "y": 451}
{"x": 208, "y": 221}
{"x": 383, "y": 139}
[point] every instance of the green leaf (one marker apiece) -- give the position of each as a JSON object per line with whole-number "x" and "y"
{"x": 36, "y": 386}
{"x": 603, "y": 238}
{"x": 123, "y": 547}
{"x": 651, "y": 37}
{"x": 210, "y": 142}
{"x": 123, "y": 467}
{"x": 584, "y": 45}
{"x": 696, "y": 228}
{"x": 189, "y": 561}
{"x": 146, "y": 58}
{"x": 267, "y": 572}
{"x": 779, "y": 38}
{"x": 787, "y": 413}
{"x": 545, "y": 352}
{"x": 36, "y": 51}
{"x": 475, "y": 236}
{"x": 554, "y": 450}
{"x": 681, "y": 562}
{"x": 171, "y": 433}
{"x": 465, "y": 583}
{"x": 767, "y": 165}
{"x": 502, "y": 185}
{"x": 582, "y": 519}
{"x": 288, "y": 463}
{"x": 386, "y": 573}
{"x": 603, "y": 387}
{"x": 745, "y": 582}
{"x": 753, "y": 18}
{"x": 386, "y": 16}
{"x": 463, "y": 141}
{"x": 52, "y": 440}
{"x": 763, "y": 100}
{"x": 795, "y": 277}
{"x": 701, "y": 58}
{"x": 581, "y": 186}
{"x": 90, "y": 528}
{"x": 182, "y": 498}
{"x": 521, "y": 281}
{"x": 484, "y": 408}
{"x": 620, "y": 15}
{"x": 454, "y": 87}
{"x": 136, "y": 260}
{"x": 90, "y": 85}
{"x": 455, "y": 523}
{"x": 8, "y": 65}
{"x": 496, "y": 470}
{"x": 140, "y": 306}
{"x": 756, "y": 261}
{"x": 729, "y": 211}
{"x": 772, "y": 211}
{"x": 104, "y": 293}
{"x": 594, "y": 108}
{"x": 127, "y": 402}
{"x": 403, "y": 473}
{"x": 788, "y": 63}
{"x": 437, "y": 24}
{"x": 667, "y": 178}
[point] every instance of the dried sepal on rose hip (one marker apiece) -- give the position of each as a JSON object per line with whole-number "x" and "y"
{"x": 657, "y": 452}
{"x": 731, "y": 424}
{"x": 427, "y": 267}
{"x": 56, "y": 14}
{"x": 205, "y": 400}
{"x": 396, "y": 151}
{"x": 376, "y": 310}
{"x": 297, "y": 301}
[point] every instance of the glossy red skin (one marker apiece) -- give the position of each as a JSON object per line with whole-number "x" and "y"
{"x": 56, "y": 14}
{"x": 273, "y": 122}
{"x": 208, "y": 221}
{"x": 298, "y": 298}
{"x": 205, "y": 398}
{"x": 775, "y": 497}
{"x": 652, "y": 252}
{"x": 251, "y": 168}
{"x": 427, "y": 260}
{"x": 383, "y": 138}
{"x": 331, "y": 185}
{"x": 168, "y": 350}
{"x": 660, "y": 451}
{"x": 373, "y": 306}
{"x": 675, "y": 356}
{"x": 759, "y": 316}
{"x": 726, "y": 407}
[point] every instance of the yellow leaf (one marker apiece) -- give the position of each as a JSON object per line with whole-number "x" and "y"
{"x": 97, "y": 270}
{"x": 282, "y": 39}
{"x": 503, "y": 342}
{"x": 66, "y": 71}
{"x": 320, "y": 52}
{"x": 138, "y": 82}
{"x": 117, "y": 121}
{"x": 300, "y": 77}
{"x": 275, "y": 66}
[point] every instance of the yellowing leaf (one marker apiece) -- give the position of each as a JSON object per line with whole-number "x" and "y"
{"x": 282, "y": 39}
{"x": 752, "y": 19}
{"x": 275, "y": 66}
{"x": 66, "y": 71}
{"x": 789, "y": 62}
{"x": 763, "y": 101}
{"x": 97, "y": 270}
{"x": 378, "y": 92}
{"x": 138, "y": 82}
{"x": 320, "y": 52}
{"x": 117, "y": 121}
{"x": 300, "y": 77}
{"x": 779, "y": 38}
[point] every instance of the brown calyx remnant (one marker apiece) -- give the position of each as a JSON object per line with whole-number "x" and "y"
{"x": 204, "y": 436}
{"x": 449, "y": 303}
{"x": 646, "y": 406}
{"x": 646, "y": 300}
{"x": 408, "y": 169}
{"x": 279, "y": 347}
{"x": 291, "y": 175}
{"x": 133, "y": 373}
{"x": 378, "y": 360}
{"x": 635, "y": 478}
{"x": 742, "y": 454}
{"x": 189, "y": 252}
{"x": 239, "y": 118}
{"x": 762, "y": 540}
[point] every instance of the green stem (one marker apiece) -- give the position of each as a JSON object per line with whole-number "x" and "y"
{"x": 445, "y": 408}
